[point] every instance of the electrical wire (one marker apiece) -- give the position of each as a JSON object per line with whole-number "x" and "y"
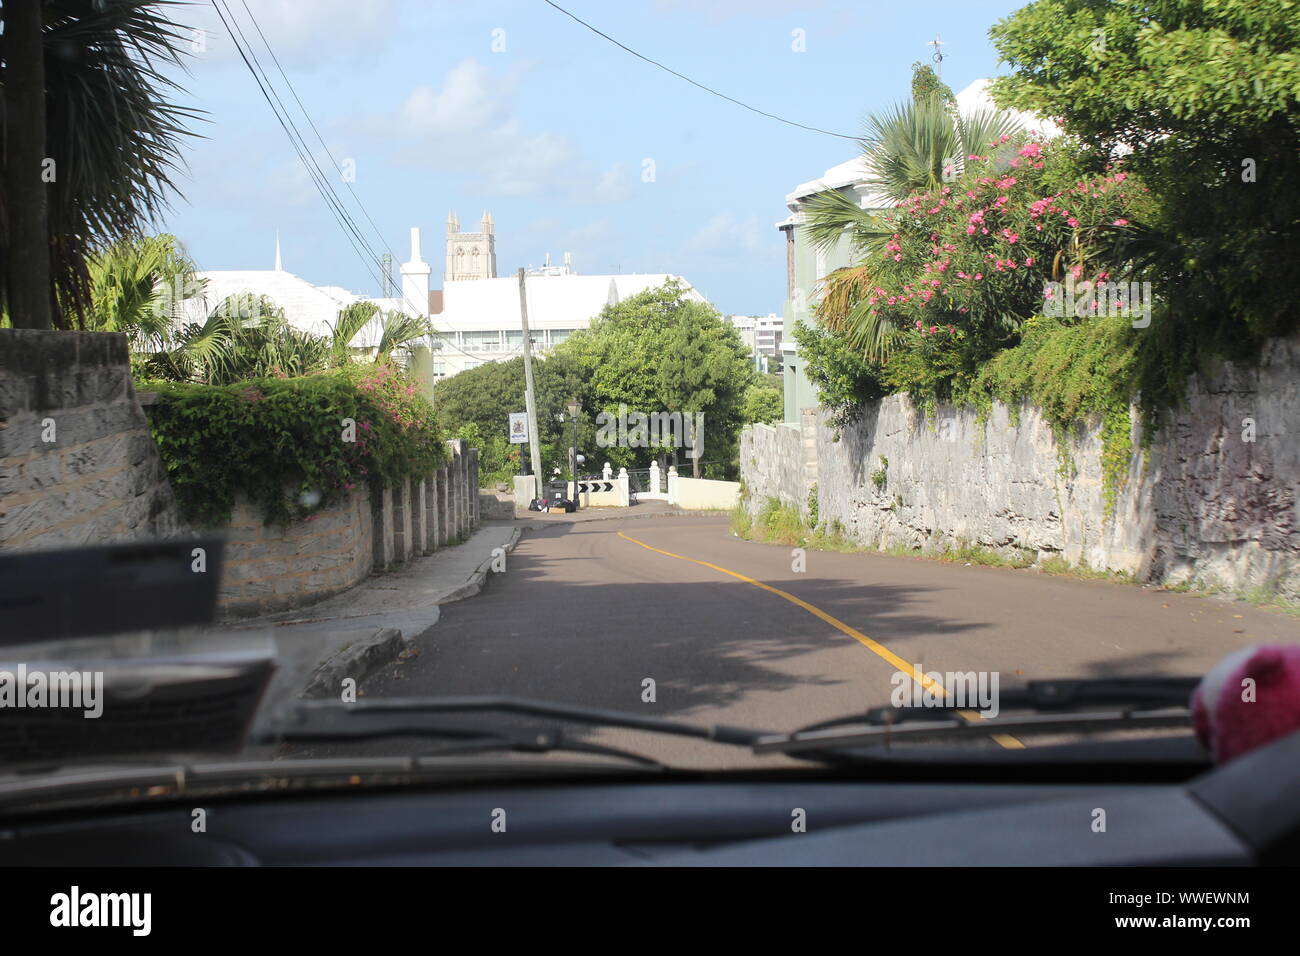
{"x": 707, "y": 89}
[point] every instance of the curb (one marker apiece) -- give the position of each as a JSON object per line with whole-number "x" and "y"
{"x": 356, "y": 660}
{"x": 479, "y": 577}
{"x": 361, "y": 658}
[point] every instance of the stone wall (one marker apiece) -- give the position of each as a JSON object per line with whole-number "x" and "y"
{"x": 78, "y": 465}
{"x": 376, "y": 529}
{"x": 1204, "y": 505}
{"x": 771, "y": 459}
{"x": 273, "y": 569}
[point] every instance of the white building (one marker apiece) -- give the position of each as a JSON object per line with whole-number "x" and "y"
{"x": 476, "y": 314}
{"x": 762, "y": 337}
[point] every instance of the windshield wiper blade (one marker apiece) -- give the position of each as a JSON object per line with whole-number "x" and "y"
{"x": 861, "y": 734}
{"x": 1047, "y": 696}
{"x": 328, "y": 721}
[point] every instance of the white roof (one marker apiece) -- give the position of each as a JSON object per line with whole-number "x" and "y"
{"x": 306, "y": 306}
{"x": 976, "y": 97}
{"x": 554, "y": 301}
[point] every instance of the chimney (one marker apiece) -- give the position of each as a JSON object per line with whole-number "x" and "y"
{"x": 415, "y": 278}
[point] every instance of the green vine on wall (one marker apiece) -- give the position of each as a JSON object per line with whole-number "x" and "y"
{"x": 293, "y": 445}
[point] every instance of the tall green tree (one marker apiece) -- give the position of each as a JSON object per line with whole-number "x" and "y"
{"x": 111, "y": 137}
{"x": 1201, "y": 100}
{"x": 663, "y": 352}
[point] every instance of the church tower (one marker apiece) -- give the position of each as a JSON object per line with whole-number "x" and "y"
{"x": 470, "y": 255}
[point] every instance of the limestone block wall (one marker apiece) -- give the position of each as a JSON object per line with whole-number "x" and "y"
{"x": 273, "y": 569}
{"x": 1215, "y": 501}
{"x": 78, "y": 465}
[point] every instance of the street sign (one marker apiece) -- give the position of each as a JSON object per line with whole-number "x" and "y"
{"x": 518, "y": 428}
{"x": 591, "y": 487}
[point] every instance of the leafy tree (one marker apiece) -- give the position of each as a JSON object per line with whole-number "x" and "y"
{"x": 137, "y": 287}
{"x": 661, "y": 352}
{"x": 764, "y": 400}
{"x": 478, "y": 402}
{"x": 926, "y": 85}
{"x": 1201, "y": 99}
{"x": 844, "y": 380}
{"x": 110, "y": 130}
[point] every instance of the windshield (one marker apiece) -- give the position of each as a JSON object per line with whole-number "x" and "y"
{"x": 548, "y": 405}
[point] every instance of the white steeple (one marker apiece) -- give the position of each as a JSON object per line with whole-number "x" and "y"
{"x": 279, "y": 266}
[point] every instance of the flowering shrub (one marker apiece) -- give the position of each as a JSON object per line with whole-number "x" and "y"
{"x": 294, "y": 445}
{"x": 967, "y": 263}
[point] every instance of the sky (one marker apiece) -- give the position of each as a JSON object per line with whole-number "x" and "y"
{"x": 573, "y": 144}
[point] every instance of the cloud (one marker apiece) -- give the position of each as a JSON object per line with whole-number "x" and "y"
{"x": 304, "y": 34}
{"x": 470, "y": 100}
{"x": 724, "y": 233}
{"x": 614, "y": 186}
{"x": 469, "y": 125}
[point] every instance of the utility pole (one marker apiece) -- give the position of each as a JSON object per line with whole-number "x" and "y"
{"x": 530, "y": 398}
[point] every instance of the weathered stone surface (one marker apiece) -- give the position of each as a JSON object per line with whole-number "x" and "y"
{"x": 1206, "y": 505}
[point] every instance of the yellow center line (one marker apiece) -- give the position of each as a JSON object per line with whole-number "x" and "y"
{"x": 875, "y": 647}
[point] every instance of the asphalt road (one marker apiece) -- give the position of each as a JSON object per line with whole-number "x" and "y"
{"x": 587, "y": 612}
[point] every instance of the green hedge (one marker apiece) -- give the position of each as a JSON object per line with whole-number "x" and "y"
{"x": 286, "y": 442}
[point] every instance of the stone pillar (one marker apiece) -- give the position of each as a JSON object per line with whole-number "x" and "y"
{"x": 654, "y": 478}
{"x": 464, "y": 491}
{"x": 672, "y": 484}
{"x": 475, "y": 508}
{"x": 381, "y": 504}
{"x": 419, "y": 517}
{"x": 403, "y": 545}
{"x": 608, "y": 472}
{"x": 431, "y": 513}
{"x": 444, "y": 505}
{"x": 455, "y": 488}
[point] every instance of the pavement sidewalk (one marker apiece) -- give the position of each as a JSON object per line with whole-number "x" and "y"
{"x": 352, "y": 632}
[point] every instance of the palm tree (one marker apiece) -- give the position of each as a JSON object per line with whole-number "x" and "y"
{"x": 110, "y": 131}
{"x": 401, "y": 332}
{"x": 916, "y": 146}
{"x": 137, "y": 286}
{"x": 351, "y": 320}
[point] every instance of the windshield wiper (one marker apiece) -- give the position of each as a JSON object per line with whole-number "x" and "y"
{"x": 1047, "y": 696}
{"x": 1139, "y": 703}
{"x": 328, "y": 721}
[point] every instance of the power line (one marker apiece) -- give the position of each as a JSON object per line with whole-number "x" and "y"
{"x": 285, "y": 124}
{"x": 321, "y": 182}
{"x": 681, "y": 76}
{"x": 307, "y": 116}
